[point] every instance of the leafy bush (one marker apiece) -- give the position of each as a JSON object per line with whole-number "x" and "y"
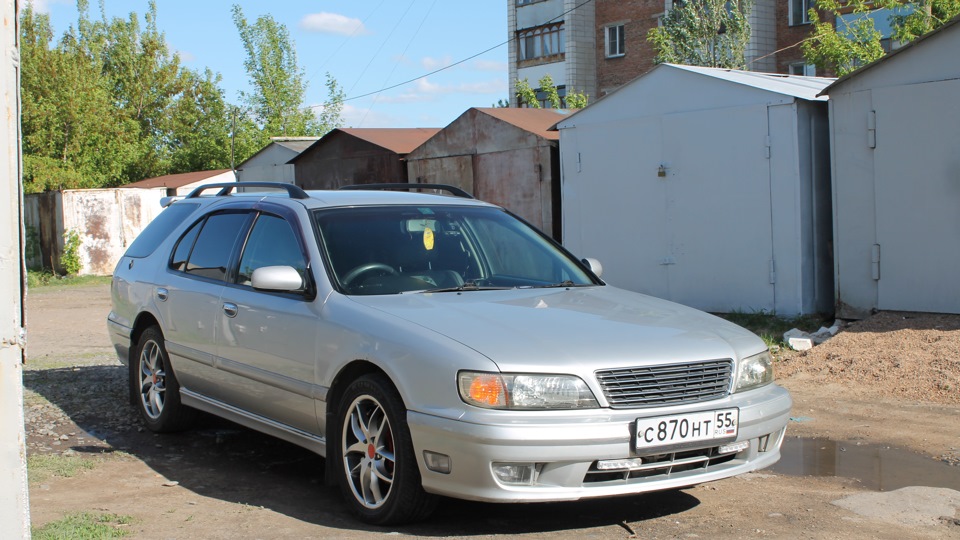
{"x": 71, "y": 252}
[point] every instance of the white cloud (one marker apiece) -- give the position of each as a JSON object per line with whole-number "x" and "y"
{"x": 425, "y": 90}
{"x": 490, "y": 65}
{"x": 333, "y": 23}
{"x": 366, "y": 117}
{"x": 431, "y": 64}
{"x": 43, "y": 6}
{"x": 186, "y": 56}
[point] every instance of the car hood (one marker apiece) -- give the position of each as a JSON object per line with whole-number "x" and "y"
{"x": 593, "y": 327}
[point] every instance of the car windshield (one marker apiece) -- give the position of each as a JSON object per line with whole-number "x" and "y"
{"x": 400, "y": 249}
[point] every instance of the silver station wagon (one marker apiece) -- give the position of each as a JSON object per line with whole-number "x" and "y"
{"x": 432, "y": 345}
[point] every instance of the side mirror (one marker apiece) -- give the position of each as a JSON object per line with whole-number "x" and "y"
{"x": 594, "y": 266}
{"x": 277, "y": 278}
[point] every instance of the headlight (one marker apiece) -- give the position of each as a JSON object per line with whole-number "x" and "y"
{"x": 754, "y": 371}
{"x": 524, "y": 391}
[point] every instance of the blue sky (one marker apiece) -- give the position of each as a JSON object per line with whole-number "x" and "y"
{"x": 367, "y": 45}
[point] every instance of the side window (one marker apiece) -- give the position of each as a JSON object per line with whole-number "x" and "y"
{"x": 215, "y": 238}
{"x": 272, "y": 242}
{"x": 184, "y": 246}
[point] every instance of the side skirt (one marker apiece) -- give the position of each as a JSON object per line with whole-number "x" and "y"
{"x": 311, "y": 442}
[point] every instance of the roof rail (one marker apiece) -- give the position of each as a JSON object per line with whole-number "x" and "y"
{"x": 294, "y": 191}
{"x": 453, "y": 190}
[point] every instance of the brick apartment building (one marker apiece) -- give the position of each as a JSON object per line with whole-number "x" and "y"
{"x": 596, "y": 46}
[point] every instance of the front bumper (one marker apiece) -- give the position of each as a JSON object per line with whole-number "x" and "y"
{"x": 566, "y": 449}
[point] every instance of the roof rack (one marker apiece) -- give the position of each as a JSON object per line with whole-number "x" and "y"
{"x": 294, "y": 191}
{"x": 453, "y": 190}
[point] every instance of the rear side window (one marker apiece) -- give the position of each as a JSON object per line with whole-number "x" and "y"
{"x": 160, "y": 228}
{"x": 209, "y": 254}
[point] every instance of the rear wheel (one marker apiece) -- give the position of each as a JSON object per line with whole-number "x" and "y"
{"x": 378, "y": 473}
{"x": 156, "y": 390}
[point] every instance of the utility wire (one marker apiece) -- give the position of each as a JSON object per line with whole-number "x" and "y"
{"x": 457, "y": 63}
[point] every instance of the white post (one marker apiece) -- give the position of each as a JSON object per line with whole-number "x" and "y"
{"x": 14, "y": 500}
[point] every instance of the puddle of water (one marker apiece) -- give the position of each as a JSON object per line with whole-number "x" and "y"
{"x": 877, "y": 467}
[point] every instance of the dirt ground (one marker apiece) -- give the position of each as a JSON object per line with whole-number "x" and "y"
{"x": 890, "y": 381}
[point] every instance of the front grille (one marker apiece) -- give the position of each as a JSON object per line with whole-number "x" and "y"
{"x": 673, "y": 384}
{"x": 660, "y": 467}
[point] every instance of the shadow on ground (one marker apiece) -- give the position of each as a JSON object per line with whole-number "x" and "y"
{"x": 228, "y": 462}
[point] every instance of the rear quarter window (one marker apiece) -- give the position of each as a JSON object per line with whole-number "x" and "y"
{"x": 159, "y": 229}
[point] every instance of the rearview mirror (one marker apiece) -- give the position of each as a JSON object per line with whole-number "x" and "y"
{"x": 277, "y": 278}
{"x": 594, "y": 266}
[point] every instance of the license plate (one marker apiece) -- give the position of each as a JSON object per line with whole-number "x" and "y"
{"x": 681, "y": 429}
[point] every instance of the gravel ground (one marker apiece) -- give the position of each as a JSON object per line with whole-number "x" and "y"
{"x": 890, "y": 380}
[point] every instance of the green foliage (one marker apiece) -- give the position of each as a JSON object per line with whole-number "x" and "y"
{"x": 843, "y": 44}
{"x": 576, "y": 100}
{"x": 70, "y": 259}
{"x": 41, "y": 467}
{"x": 501, "y": 104}
{"x": 45, "y": 278}
{"x": 84, "y": 526}
{"x": 846, "y": 43}
{"x": 928, "y": 16}
{"x": 277, "y": 100}
{"x": 526, "y": 95}
{"x": 771, "y": 327}
{"x": 711, "y": 33}
{"x": 550, "y": 91}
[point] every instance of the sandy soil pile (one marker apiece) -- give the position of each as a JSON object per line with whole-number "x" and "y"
{"x": 912, "y": 356}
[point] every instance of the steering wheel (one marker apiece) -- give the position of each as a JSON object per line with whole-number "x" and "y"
{"x": 352, "y": 275}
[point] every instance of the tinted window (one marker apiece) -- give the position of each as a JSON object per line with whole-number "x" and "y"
{"x": 160, "y": 228}
{"x": 272, "y": 243}
{"x": 184, "y": 246}
{"x": 211, "y": 253}
{"x": 388, "y": 250}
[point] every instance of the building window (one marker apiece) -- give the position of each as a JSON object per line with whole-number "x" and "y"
{"x": 800, "y": 12}
{"x": 615, "y": 41}
{"x": 525, "y": 2}
{"x": 799, "y": 68}
{"x": 541, "y": 41}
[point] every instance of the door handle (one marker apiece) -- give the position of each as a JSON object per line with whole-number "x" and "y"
{"x": 162, "y": 294}
{"x": 230, "y": 309}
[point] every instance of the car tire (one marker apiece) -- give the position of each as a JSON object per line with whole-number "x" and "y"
{"x": 154, "y": 386}
{"x": 378, "y": 471}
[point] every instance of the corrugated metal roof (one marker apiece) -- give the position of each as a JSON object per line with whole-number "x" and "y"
{"x": 398, "y": 140}
{"x": 537, "y": 121}
{"x": 176, "y": 180}
{"x": 790, "y": 85}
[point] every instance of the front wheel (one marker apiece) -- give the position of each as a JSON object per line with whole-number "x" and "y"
{"x": 379, "y": 474}
{"x": 155, "y": 387}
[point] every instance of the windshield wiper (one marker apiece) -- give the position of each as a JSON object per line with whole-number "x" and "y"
{"x": 566, "y": 283}
{"x": 468, "y": 286}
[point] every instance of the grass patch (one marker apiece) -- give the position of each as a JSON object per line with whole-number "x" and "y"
{"x": 42, "y": 467}
{"x": 42, "y": 279}
{"x": 84, "y": 526}
{"x": 770, "y": 327}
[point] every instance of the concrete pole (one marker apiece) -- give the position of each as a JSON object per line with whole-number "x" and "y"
{"x": 14, "y": 500}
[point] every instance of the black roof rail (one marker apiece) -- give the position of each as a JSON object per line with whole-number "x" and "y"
{"x": 453, "y": 190}
{"x": 294, "y": 191}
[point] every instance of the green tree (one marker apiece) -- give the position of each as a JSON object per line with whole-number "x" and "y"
{"x": 527, "y": 96}
{"x": 711, "y": 33}
{"x": 845, "y": 43}
{"x": 72, "y": 136}
{"x": 927, "y": 16}
{"x": 851, "y": 39}
{"x": 277, "y": 100}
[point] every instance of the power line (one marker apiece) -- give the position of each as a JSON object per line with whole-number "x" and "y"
{"x": 457, "y": 63}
